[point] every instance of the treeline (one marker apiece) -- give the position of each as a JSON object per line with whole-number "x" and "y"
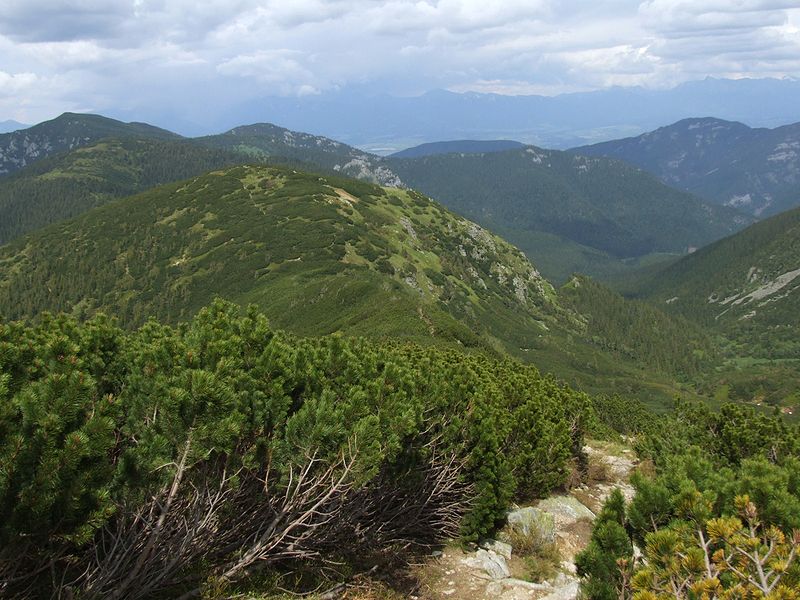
{"x": 719, "y": 517}
{"x": 166, "y": 460}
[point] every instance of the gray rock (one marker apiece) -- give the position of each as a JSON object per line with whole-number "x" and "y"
{"x": 528, "y": 585}
{"x": 565, "y": 508}
{"x": 494, "y": 589}
{"x": 568, "y": 592}
{"x": 531, "y": 521}
{"x": 500, "y": 548}
{"x": 492, "y": 563}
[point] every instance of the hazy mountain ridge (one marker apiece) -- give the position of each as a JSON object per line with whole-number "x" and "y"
{"x": 378, "y": 122}
{"x": 754, "y": 170}
{"x": 458, "y": 146}
{"x": 263, "y": 140}
{"x": 11, "y": 125}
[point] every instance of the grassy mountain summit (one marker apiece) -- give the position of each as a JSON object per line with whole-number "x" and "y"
{"x": 64, "y": 133}
{"x": 725, "y": 162}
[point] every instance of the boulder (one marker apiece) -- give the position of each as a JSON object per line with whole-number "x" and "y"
{"x": 490, "y": 562}
{"x": 565, "y": 509}
{"x": 500, "y": 548}
{"x": 531, "y": 521}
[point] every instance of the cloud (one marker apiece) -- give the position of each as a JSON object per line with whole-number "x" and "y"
{"x": 62, "y": 20}
{"x": 207, "y": 55}
{"x": 13, "y": 84}
{"x": 279, "y": 68}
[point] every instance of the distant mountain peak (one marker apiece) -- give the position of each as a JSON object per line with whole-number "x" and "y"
{"x": 755, "y": 170}
{"x": 67, "y": 132}
{"x": 458, "y": 146}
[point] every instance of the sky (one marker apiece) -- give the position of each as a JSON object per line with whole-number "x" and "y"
{"x": 120, "y": 56}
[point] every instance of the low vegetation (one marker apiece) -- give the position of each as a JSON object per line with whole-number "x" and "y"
{"x": 719, "y": 518}
{"x": 174, "y": 460}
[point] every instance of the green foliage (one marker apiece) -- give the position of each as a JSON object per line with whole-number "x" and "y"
{"x": 597, "y": 564}
{"x": 95, "y": 420}
{"x": 620, "y": 415}
{"x": 720, "y": 558}
{"x": 707, "y": 462}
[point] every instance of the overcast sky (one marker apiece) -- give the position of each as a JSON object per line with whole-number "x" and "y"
{"x": 121, "y": 55}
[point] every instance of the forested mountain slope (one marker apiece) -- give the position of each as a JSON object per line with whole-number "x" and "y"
{"x": 725, "y": 162}
{"x": 547, "y": 201}
{"x": 747, "y": 285}
{"x": 319, "y": 255}
{"x": 67, "y": 185}
{"x": 637, "y": 330}
{"x": 67, "y": 132}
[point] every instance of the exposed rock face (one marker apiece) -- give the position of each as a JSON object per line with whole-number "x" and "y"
{"x": 754, "y": 170}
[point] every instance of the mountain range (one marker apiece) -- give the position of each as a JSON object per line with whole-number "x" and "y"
{"x": 383, "y": 124}
{"x": 569, "y": 214}
{"x": 329, "y": 242}
{"x": 754, "y": 170}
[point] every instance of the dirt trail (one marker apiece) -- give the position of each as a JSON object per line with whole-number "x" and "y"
{"x": 494, "y": 573}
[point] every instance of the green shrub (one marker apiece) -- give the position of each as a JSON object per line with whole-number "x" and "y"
{"x": 185, "y": 442}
